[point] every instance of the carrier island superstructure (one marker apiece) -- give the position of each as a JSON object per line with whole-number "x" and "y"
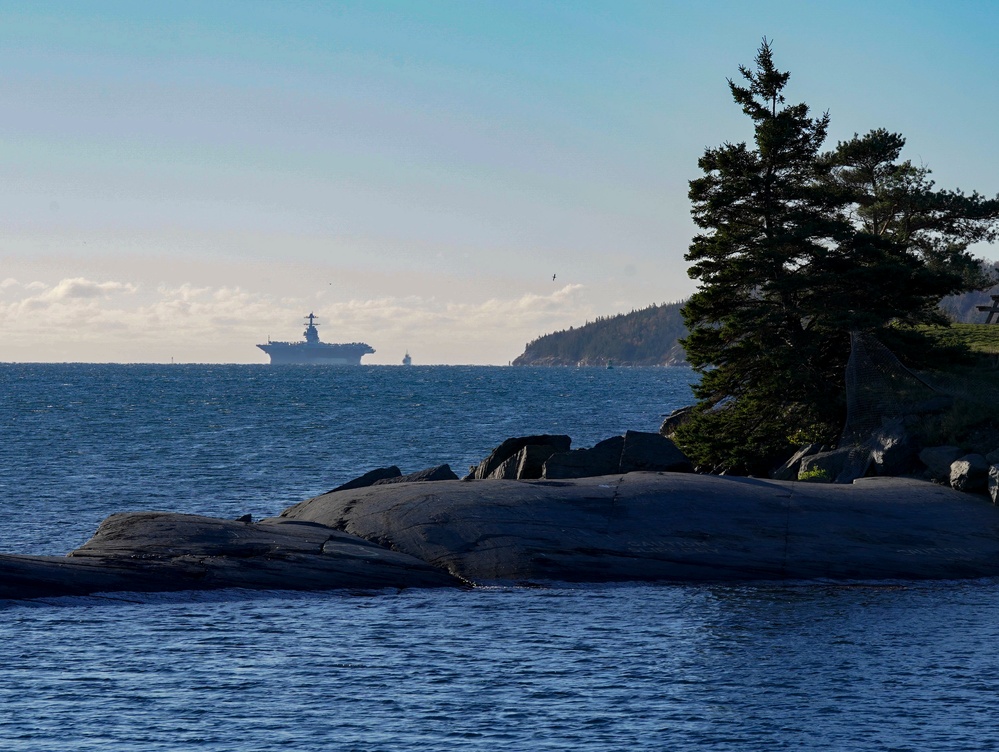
{"x": 314, "y": 352}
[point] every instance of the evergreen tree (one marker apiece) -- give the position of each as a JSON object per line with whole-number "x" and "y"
{"x": 915, "y": 238}
{"x": 797, "y": 249}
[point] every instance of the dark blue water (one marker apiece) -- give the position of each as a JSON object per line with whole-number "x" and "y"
{"x": 802, "y": 666}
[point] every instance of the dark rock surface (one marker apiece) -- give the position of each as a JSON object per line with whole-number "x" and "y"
{"x": 938, "y": 460}
{"x": 527, "y": 464}
{"x": 511, "y": 447}
{"x": 603, "y": 458}
{"x": 650, "y": 451}
{"x": 674, "y": 526}
{"x": 825, "y": 466}
{"x": 549, "y": 457}
{"x": 158, "y": 551}
{"x": 790, "y": 469}
{"x": 370, "y": 478}
{"x": 440, "y": 472}
{"x": 676, "y": 419}
{"x": 638, "y": 526}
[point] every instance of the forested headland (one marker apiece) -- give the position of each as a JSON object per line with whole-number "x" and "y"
{"x": 650, "y": 336}
{"x": 647, "y": 337}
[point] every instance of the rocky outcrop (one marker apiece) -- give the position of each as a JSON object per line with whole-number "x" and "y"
{"x": 602, "y": 459}
{"x": 636, "y": 450}
{"x": 526, "y": 464}
{"x": 371, "y": 477}
{"x": 491, "y": 466}
{"x": 650, "y": 451}
{"x": 159, "y": 551}
{"x": 679, "y": 527}
{"x": 674, "y": 526}
{"x": 676, "y": 419}
{"x": 393, "y": 474}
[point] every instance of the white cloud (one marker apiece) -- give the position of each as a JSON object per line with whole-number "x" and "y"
{"x": 82, "y": 319}
{"x": 78, "y": 287}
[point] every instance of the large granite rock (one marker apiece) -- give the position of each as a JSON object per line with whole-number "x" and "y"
{"x": 158, "y": 551}
{"x": 970, "y": 473}
{"x": 674, "y": 526}
{"x": 637, "y": 526}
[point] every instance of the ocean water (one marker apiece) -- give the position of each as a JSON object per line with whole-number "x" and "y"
{"x": 889, "y": 666}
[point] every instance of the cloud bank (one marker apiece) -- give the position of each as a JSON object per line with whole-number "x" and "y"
{"x": 79, "y": 319}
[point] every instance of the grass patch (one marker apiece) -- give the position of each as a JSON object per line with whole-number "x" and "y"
{"x": 979, "y": 338}
{"x": 972, "y": 421}
{"x": 815, "y": 475}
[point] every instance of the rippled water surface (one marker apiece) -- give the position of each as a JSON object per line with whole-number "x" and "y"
{"x": 799, "y": 666}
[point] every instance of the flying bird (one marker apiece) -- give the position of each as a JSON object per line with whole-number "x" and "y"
{"x": 553, "y": 278}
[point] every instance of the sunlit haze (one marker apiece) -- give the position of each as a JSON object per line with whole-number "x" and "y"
{"x": 184, "y": 180}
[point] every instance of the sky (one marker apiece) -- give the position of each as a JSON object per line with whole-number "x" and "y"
{"x": 184, "y": 180}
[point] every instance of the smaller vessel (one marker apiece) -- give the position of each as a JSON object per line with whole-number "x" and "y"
{"x": 313, "y": 351}
{"x": 407, "y": 361}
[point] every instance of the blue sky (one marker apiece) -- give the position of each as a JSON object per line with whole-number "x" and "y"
{"x": 182, "y": 180}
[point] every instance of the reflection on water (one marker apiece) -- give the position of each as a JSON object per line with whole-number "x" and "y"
{"x": 591, "y": 668}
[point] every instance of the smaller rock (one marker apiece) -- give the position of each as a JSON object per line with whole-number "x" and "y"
{"x": 512, "y": 446}
{"x": 893, "y": 450}
{"x": 826, "y": 467}
{"x": 938, "y": 460}
{"x": 676, "y": 419}
{"x": 246, "y": 518}
{"x": 370, "y": 478}
{"x": 790, "y": 469}
{"x": 602, "y": 459}
{"x": 969, "y": 473}
{"x": 993, "y": 483}
{"x": 441, "y": 472}
{"x": 507, "y": 469}
{"x": 650, "y": 451}
{"x": 532, "y": 459}
{"x": 527, "y": 464}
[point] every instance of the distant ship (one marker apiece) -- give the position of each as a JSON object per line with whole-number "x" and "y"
{"x": 312, "y": 351}
{"x": 407, "y": 361}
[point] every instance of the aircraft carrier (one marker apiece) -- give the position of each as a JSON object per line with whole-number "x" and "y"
{"x": 314, "y": 352}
